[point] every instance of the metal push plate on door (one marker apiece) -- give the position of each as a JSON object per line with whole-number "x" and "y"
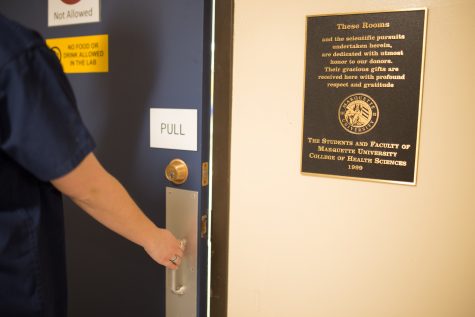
{"x": 182, "y": 221}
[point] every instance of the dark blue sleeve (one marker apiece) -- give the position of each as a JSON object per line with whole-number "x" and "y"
{"x": 40, "y": 127}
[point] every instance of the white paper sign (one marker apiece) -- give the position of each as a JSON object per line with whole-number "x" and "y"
{"x": 66, "y": 12}
{"x": 175, "y": 129}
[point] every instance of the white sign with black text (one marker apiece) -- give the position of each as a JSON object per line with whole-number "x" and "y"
{"x": 66, "y": 12}
{"x": 175, "y": 129}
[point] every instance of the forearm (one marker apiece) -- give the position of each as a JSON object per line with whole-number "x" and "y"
{"x": 110, "y": 204}
{"x": 98, "y": 193}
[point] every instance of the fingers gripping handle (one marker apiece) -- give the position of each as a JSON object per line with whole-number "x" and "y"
{"x": 183, "y": 244}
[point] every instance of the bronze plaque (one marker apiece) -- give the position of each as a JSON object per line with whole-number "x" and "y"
{"x": 363, "y": 92}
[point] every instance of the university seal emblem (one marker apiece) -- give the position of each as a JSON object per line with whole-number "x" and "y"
{"x": 358, "y": 113}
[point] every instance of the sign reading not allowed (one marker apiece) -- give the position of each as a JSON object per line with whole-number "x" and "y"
{"x": 66, "y": 12}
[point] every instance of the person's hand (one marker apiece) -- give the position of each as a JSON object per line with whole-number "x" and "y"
{"x": 165, "y": 249}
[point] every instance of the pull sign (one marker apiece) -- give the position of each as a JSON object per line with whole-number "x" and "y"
{"x": 66, "y": 12}
{"x": 175, "y": 129}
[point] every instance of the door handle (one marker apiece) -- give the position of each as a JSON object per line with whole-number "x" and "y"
{"x": 177, "y": 171}
{"x": 175, "y": 288}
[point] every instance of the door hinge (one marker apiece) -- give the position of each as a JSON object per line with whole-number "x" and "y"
{"x": 204, "y": 226}
{"x": 204, "y": 174}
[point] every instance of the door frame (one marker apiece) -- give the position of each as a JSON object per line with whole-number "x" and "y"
{"x": 222, "y": 106}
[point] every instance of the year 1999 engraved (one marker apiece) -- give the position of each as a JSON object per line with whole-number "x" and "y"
{"x": 355, "y": 167}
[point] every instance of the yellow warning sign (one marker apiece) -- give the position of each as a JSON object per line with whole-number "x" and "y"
{"x": 82, "y": 54}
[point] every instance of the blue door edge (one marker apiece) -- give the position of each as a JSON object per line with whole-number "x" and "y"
{"x": 204, "y": 205}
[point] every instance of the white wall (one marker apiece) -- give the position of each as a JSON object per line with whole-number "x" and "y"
{"x": 315, "y": 246}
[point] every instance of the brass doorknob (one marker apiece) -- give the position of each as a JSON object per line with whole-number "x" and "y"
{"x": 177, "y": 171}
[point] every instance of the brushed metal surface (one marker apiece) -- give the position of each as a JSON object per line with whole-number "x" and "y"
{"x": 182, "y": 221}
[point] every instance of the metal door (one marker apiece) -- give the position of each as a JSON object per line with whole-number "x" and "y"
{"x": 159, "y": 57}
